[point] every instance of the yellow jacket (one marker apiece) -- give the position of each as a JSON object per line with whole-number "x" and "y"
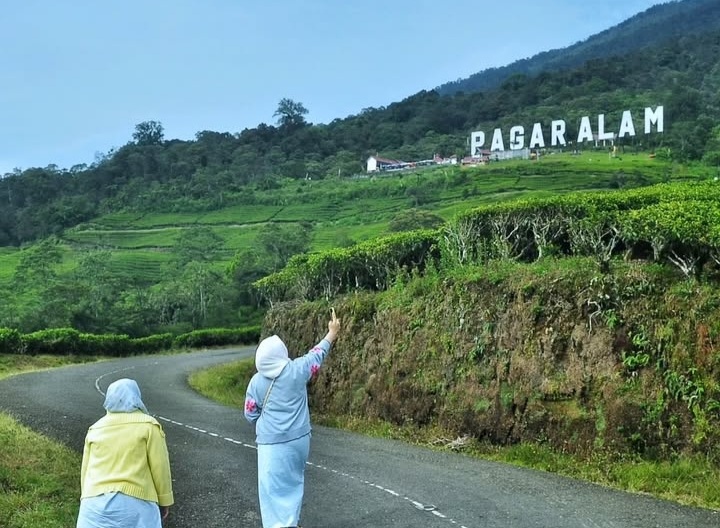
{"x": 126, "y": 452}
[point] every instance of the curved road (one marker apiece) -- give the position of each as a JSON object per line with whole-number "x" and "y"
{"x": 351, "y": 481}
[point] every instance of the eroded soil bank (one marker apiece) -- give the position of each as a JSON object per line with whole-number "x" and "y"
{"x": 625, "y": 361}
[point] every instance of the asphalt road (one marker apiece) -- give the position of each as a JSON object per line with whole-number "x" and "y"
{"x": 351, "y": 481}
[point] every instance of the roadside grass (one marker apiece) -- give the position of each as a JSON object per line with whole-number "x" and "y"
{"x": 692, "y": 481}
{"x": 689, "y": 481}
{"x": 224, "y": 383}
{"x": 39, "y": 478}
{"x": 16, "y": 363}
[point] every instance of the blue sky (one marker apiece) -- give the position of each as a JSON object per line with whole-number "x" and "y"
{"x": 76, "y": 77}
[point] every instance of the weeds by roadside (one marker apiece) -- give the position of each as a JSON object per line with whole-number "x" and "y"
{"x": 39, "y": 479}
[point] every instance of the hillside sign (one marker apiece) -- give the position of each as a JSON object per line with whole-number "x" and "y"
{"x": 654, "y": 121}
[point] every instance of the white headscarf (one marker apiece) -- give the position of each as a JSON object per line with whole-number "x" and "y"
{"x": 123, "y": 395}
{"x": 271, "y": 357}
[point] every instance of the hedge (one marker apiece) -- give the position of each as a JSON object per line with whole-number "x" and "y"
{"x": 218, "y": 337}
{"x": 66, "y": 341}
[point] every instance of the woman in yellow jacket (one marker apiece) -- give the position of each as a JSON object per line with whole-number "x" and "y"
{"x": 125, "y": 476}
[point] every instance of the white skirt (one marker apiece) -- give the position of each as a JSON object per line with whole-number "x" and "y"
{"x": 281, "y": 481}
{"x": 117, "y": 510}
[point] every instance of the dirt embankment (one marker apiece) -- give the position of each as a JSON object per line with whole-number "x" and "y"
{"x": 626, "y": 362}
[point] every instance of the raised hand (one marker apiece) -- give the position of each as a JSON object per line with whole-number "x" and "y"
{"x": 333, "y": 326}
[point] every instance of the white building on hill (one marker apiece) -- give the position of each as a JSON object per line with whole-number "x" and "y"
{"x": 376, "y": 163}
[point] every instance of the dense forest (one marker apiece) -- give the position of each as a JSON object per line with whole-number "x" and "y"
{"x": 217, "y": 169}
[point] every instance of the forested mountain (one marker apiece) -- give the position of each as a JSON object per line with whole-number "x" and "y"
{"x": 218, "y": 169}
{"x": 657, "y": 25}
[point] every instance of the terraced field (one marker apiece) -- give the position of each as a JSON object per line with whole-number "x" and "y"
{"x": 345, "y": 211}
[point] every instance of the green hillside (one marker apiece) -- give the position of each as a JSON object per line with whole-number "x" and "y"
{"x": 144, "y": 272}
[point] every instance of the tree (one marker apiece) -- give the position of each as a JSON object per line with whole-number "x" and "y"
{"x": 247, "y": 266}
{"x": 281, "y": 241}
{"x": 197, "y": 244}
{"x": 97, "y": 290}
{"x": 148, "y": 133}
{"x": 290, "y": 114}
{"x": 418, "y": 194}
{"x": 711, "y": 155}
{"x": 198, "y": 290}
{"x": 38, "y": 263}
{"x": 49, "y": 301}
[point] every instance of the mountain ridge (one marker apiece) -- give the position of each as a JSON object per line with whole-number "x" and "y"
{"x": 654, "y": 26}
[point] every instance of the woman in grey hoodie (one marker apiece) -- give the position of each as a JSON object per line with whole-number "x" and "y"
{"x": 276, "y": 401}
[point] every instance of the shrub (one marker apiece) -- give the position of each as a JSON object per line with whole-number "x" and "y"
{"x": 65, "y": 341}
{"x": 153, "y": 343}
{"x": 104, "y": 345}
{"x": 10, "y": 341}
{"x": 53, "y": 341}
{"x": 218, "y": 337}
